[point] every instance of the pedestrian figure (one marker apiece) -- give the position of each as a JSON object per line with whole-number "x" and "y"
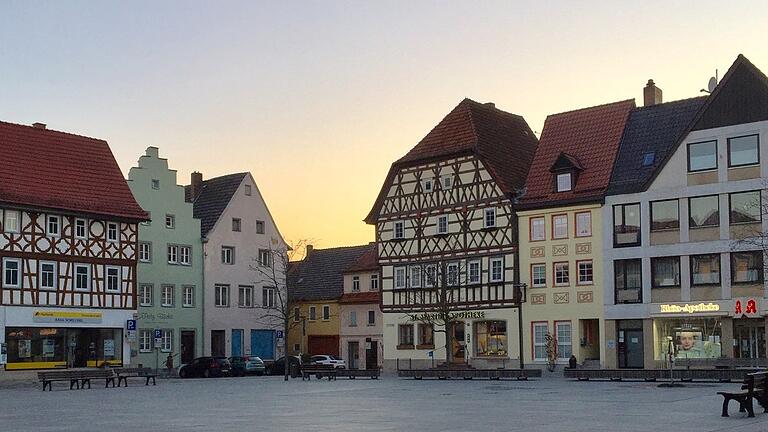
{"x": 572, "y": 363}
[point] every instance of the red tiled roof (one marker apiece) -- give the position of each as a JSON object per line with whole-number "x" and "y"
{"x": 43, "y": 168}
{"x": 361, "y": 297}
{"x": 369, "y": 261}
{"x": 588, "y": 136}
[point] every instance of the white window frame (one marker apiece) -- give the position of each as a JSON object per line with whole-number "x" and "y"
{"x": 428, "y": 184}
{"x": 17, "y": 261}
{"x": 474, "y": 271}
{"x": 247, "y": 189}
{"x": 563, "y": 218}
{"x": 398, "y": 225}
{"x": 265, "y": 258}
{"x": 579, "y": 280}
{"x": 492, "y": 262}
{"x": 579, "y": 225}
{"x": 430, "y": 275}
{"x": 447, "y": 181}
{"x": 228, "y": 255}
{"x": 245, "y": 296}
{"x": 542, "y": 343}
{"x": 221, "y": 295}
{"x": 442, "y": 224}
{"x": 352, "y": 318}
{"x": 87, "y": 276}
{"x": 561, "y": 354}
{"x": 533, "y": 231}
{"x": 453, "y": 274}
{"x": 172, "y": 255}
{"x": 53, "y": 225}
{"x": 356, "y": 283}
{"x": 259, "y": 227}
{"x": 185, "y": 255}
{"x": 54, "y": 276}
{"x": 167, "y": 341}
{"x": 371, "y": 313}
{"x": 533, "y": 275}
{"x": 415, "y": 272}
{"x": 84, "y": 224}
{"x": 145, "y": 340}
{"x": 188, "y": 296}
{"x": 163, "y": 295}
{"x": 145, "y": 294}
{"x": 170, "y": 221}
{"x": 116, "y": 237}
{"x": 155, "y": 184}
{"x": 400, "y": 274}
{"x": 108, "y": 278}
{"x": 489, "y": 217}
{"x": 16, "y": 221}
{"x": 268, "y": 297}
{"x": 145, "y": 252}
{"x": 561, "y": 182}
{"x": 374, "y": 286}
{"x": 326, "y": 313}
{"x": 555, "y": 273}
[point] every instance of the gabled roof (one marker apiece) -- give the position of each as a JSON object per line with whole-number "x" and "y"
{"x": 502, "y": 141}
{"x": 213, "y": 198}
{"x": 587, "y": 140}
{"x": 43, "y": 168}
{"x": 320, "y": 275}
{"x": 368, "y": 261}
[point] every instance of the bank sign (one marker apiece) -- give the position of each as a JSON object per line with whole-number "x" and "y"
{"x": 60, "y": 317}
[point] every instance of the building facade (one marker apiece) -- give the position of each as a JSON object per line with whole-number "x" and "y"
{"x": 68, "y": 251}
{"x": 446, "y": 234}
{"x": 170, "y": 268}
{"x": 242, "y": 268}
{"x": 684, "y": 280}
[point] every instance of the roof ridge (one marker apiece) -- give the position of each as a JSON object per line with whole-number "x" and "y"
{"x": 592, "y": 107}
{"x": 341, "y": 247}
{"x": 53, "y": 130}
{"x": 670, "y": 102}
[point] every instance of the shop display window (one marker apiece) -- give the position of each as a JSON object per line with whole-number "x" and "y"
{"x": 35, "y": 345}
{"x": 60, "y": 347}
{"x": 687, "y": 338}
{"x": 491, "y": 338}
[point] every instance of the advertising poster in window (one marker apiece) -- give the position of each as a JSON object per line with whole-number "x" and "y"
{"x": 25, "y": 348}
{"x": 109, "y": 347}
{"x": 693, "y": 345}
{"x": 49, "y": 347}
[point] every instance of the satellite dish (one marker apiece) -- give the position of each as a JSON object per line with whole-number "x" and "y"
{"x": 712, "y": 84}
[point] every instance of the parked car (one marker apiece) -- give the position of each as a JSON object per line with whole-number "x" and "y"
{"x": 242, "y": 365}
{"x": 278, "y": 367}
{"x": 206, "y": 367}
{"x": 334, "y": 361}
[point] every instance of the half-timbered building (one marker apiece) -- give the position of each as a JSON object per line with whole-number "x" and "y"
{"x": 68, "y": 237}
{"x": 447, "y": 238}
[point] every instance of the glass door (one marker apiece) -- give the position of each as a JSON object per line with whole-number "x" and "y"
{"x": 749, "y": 339}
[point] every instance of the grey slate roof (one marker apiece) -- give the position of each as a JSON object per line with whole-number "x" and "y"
{"x": 657, "y": 129}
{"x": 320, "y": 276}
{"x": 213, "y": 198}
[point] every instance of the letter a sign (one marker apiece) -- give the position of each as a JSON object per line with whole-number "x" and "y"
{"x": 746, "y": 307}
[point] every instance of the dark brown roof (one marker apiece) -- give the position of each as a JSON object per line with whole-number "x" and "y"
{"x": 48, "y": 169}
{"x": 213, "y": 198}
{"x": 585, "y": 140}
{"x": 361, "y": 297}
{"x": 320, "y": 275}
{"x": 502, "y": 141}
{"x": 368, "y": 261}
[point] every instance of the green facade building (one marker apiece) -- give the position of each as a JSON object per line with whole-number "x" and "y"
{"x": 170, "y": 268}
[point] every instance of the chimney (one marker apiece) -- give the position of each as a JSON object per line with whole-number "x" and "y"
{"x": 309, "y": 248}
{"x": 38, "y": 125}
{"x": 651, "y": 94}
{"x": 490, "y": 104}
{"x": 196, "y": 180}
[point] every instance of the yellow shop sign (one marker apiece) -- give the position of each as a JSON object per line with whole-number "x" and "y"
{"x": 689, "y": 308}
{"x": 64, "y": 317}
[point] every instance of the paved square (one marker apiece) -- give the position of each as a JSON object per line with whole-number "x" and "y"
{"x": 390, "y": 404}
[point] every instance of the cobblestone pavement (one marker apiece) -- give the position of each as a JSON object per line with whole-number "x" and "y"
{"x": 390, "y": 404}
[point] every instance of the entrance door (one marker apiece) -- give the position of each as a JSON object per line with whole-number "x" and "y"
{"x": 631, "y": 349}
{"x": 458, "y": 342}
{"x": 218, "y": 341}
{"x": 371, "y": 354}
{"x": 353, "y": 352}
{"x": 187, "y": 346}
{"x": 263, "y": 344}
{"x": 237, "y": 342}
{"x": 749, "y": 339}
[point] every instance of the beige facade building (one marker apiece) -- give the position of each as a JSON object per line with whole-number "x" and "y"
{"x": 360, "y": 334}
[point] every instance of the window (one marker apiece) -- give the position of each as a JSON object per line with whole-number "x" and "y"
{"x": 497, "y": 269}
{"x": 265, "y": 258}
{"x": 559, "y": 226}
{"x": 47, "y": 277}
{"x": 585, "y": 273}
{"x": 352, "y": 318}
{"x": 11, "y": 221}
{"x": 538, "y": 232}
{"x": 426, "y": 335}
{"x": 427, "y": 184}
{"x": 540, "y": 330}
{"x": 145, "y": 295}
{"x": 371, "y": 318}
{"x": 296, "y": 314}
{"x": 53, "y": 226}
{"x": 167, "y": 340}
{"x": 173, "y": 254}
{"x": 82, "y": 277}
{"x": 453, "y": 274}
{"x": 145, "y": 252}
{"x": 405, "y": 335}
{"x": 705, "y": 269}
{"x": 227, "y": 255}
{"x": 155, "y": 184}
{"x": 312, "y": 313}
{"x": 170, "y": 221}
{"x": 399, "y": 277}
{"x": 442, "y": 224}
{"x": 374, "y": 282}
{"x": 745, "y": 207}
{"x": 415, "y": 276}
{"x": 490, "y": 338}
{"x": 81, "y": 231}
{"x": 236, "y": 224}
{"x": 147, "y": 222}
{"x": 145, "y": 340}
{"x": 268, "y": 297}
{"x": 221, "y": 295}
{"x": 166, "y": 296}
{"x": 245, "y": 296}
{"x": 626, "y": 225}
{"x": 704, "y": 211}
{"x": 399, "y": 230}
{"x": 447, "y": 182}
{"x": 113, "y": 279}
{"x": 743, "y": 150}
{"x": 490, "y": 217}
{"x": 665, "y": 272}
{"x": 564, "y": 182}
{"x": 561, "y": 274}
{"x": 184, "y": 255}
{"x": 259, "y": 227}
{"x": 628, "y": 281}
{"x": 247, "y": 190}
{"x": 538, "y": 275}
{"x": 584, "y": 224}
{"x": 430, "y": 275}
{"x": 473, "y": 276}
{"x": 747, "y": 267}
{"x": 326, "y": 313}
{"x": 11, "y": 276}
{"x": 112, "y": 232}
{"x": 649, "y": 158}
{"x": 665, "y": 215}
{"x": 356, "y": 283}
{"x": 702, "y": 156}
{"x": 563, "y": 335}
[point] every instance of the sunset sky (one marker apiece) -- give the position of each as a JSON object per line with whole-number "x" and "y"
{"x": 316, "y": 99}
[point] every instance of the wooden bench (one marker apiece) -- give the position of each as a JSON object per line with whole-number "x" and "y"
{"x": 319, "y": 370}
{"x": 77, "y": 378}
{"x": 124, "y": 373}
{"x": 755, "y": 387}
{"x": 354, "y": 373}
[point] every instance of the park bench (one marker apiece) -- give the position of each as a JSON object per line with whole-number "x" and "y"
{"x": 318, "y": 370}
{"x": 76, "y": 378}
{"x": 124, "y": 373}
{"x": 754, "y": 387}
{"x": 354, "y": 373}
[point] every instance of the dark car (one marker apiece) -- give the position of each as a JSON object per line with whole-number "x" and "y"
{"x": 206, "y": 367}
{"x": 238, "y": 366}
{"x": 278, "y": 367}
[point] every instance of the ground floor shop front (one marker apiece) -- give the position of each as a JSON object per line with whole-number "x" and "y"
{"x": 362, "y": 352}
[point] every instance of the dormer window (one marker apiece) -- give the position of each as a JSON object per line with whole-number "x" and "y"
{"x": 564, "y": 182}
{"x": 447, "y": 182}
{"x": 428, "y": 185}
{"x": 565, "y": 170}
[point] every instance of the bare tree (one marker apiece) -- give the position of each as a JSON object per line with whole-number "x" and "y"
{"x": 746, "y": 216}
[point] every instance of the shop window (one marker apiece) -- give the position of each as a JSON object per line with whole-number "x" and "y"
{"x": 687, "y": 338}
{"x": 585, "y": 272}
{"x": 704, "y": 211}
{"x": 665, "y": 215}
{"x": 356, "y": 283}
{"x": 584, "y": 224}
{"x": 145, "y": 295}
{"x": 626, "y": 225}
{"x": 474, "y": 272}
{"x": 747, "y": 267}
{"x": 48, "y": 276}
{"x": 561, "y": 274}
{"x": 744, "y": 150}
{"x": 628, "y": 281}
{"x": 702, "y": 156}
{"x": 415, "y": 276}
{"x": 491, "y": 338}
{"x": 537, "y": 231}
{"x": 560, "y": 226}
{"x": 145, "y": 340}
{"x": 426, "y": 336}
{"x": 405, "y": 336}
{"x": 705, "y": 269}
{"x": 29, "y": 344}
{"x": 400, "y": 277}
{"x": 188, "y": 299}
{"x": 538, "y": 275}
{"x": 563, "y": 335}
{"x": 745, "y": 207}
{"x": 665, "y": 272}
{"x": 540, "y": 330}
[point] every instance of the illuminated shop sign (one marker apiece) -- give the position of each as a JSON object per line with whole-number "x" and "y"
{"x": 66, "y": 317}
{"x": 454, "y": 315}
{"x": 746, "y": 307}
{"x": 689, "y": 308}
